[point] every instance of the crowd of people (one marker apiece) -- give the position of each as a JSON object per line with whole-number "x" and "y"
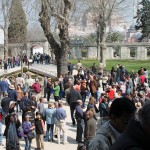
{"x": 15, "y": 61}
{"x": 41, "y": 58}
{"x": 119, "y": 98}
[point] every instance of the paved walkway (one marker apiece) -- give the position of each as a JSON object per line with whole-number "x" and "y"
{"x": 47, "y": 69}
{"x": 71, "y": 131}
{"x": 71, "y": 135}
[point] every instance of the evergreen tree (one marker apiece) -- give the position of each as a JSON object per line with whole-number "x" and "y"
{"x": 143, "y": 19}
{"x": 18, "y": 25}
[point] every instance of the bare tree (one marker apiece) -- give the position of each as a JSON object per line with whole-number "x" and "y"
{"x": 60, "y": 11}
{"x": 104, "y": 9}
{"x": 5, "y": 6}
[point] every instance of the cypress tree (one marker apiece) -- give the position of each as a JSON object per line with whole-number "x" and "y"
{"x": 143, "y": 19}
{"x": 17, "y": 30}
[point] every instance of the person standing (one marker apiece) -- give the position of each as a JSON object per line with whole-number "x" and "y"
{"x": 28, "y": 128}
{"x": 40, "y": 130}
{"x": 5, "y": 104}
{"x": 84, "y": 91}
{"x": 137, "y": 134}
{"x": 80, "y": 121}
{"x": 45, "y": 86}
{"x": 12, "y": 93}
{"x": 61, "y": 84}
{"x": 12, "y": 125}
{"x": 121, "y": 111}
{"x": 90, "y": 127}
{"x": 49, "y": 89}
{"x": 41, "y": 105}
{"x": 29, "y": 82}
{"x": 49, "y": 115}
{"x": 78, "y": 65}
{"x": 72, "y": 98}
{"x": 25, "y": 104}
{"x": 37, "y": 89}
{"x": 3, "y": 87}
{"x": 1, "y": 134}
{"x": 20, "y": 80}
{"x": 5, "y": 65}
{"x": 60, "y": 122}
{"x": 56, "y": 91}
{"x": 93, "y": 86}
{"x": 20, "y": 95}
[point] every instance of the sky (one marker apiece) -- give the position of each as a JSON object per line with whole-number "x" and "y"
{"x": 32, "y": 10}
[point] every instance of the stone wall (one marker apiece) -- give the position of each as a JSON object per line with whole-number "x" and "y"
{"x": 109, "y": 53}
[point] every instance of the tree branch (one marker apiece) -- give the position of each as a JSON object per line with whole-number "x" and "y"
{"x": 45, "y": 23}
{"x": 1, "y": 27}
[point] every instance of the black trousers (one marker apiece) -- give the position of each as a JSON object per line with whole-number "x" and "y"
{"x": 48, "y": 94}
{"x": 72, "y": 109}
{"x": 79, "y": 130}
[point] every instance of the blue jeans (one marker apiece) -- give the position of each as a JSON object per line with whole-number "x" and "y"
{"x": 27, "y": 143}
{"x": 49, "y": 132}
{"x": 1, "y": 134}
{"x": 83, "y": 99}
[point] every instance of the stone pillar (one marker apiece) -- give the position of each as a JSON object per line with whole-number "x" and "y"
{"x": 78, "y": 52}
{"x": 109, "y": 53}
{"x": 92, "y": 52}
{"x": 125, "y": 52}
{"x": 28, "y": 49}
{"x": 73, "y": 53}
{"x": 141, "y": 53}
{"x": 46, "y": 48}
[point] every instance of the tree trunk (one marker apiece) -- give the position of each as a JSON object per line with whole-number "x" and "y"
{"x": 102, "y": 35}
{"x": 60, "y": 50}
{"x": 62, "y": 57}
{"x": 98, "y": 42}
{"x": 6, "y": 39}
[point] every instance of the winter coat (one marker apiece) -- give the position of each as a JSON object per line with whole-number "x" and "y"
{"x": 104, "y": 138}
{"x": 134, "y": 138}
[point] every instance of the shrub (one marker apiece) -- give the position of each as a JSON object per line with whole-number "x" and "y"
{"x": 25, "y": 69}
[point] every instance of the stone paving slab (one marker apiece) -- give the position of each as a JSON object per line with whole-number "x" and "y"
{"x": 71, "y": 136}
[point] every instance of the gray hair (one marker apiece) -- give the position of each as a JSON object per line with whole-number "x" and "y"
{"x": 144, "y": 114}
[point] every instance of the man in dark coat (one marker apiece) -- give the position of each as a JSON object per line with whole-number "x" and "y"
{"x": 137, "y": 133}
{"x": 72, "y": 98}
{"x": 5, "y": 104}
{"x": 12, "y": 93}
{"x": 80, "y": 121}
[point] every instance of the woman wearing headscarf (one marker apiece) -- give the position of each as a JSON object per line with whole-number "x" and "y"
{"x": 11, "y": 132}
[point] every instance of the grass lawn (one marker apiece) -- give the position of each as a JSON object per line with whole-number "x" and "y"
{"x": 129, "y": 64}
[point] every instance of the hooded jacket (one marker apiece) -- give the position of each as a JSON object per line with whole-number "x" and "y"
{"x": 134, "y": 138}
{"x": 104, "y": 138}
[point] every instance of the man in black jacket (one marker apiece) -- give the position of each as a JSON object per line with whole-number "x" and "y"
{"x": 137, "y": 133}
{"x": 80, "y": 121}
{"x": 72, "y": 98}
{"x": 5, "y": 104}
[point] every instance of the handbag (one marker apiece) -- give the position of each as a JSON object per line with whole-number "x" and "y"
{"x": 31, "y": 135}
{"x": 20, "y": 132}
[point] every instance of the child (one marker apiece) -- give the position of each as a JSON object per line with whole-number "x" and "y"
{"x": 40, "y": 130}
